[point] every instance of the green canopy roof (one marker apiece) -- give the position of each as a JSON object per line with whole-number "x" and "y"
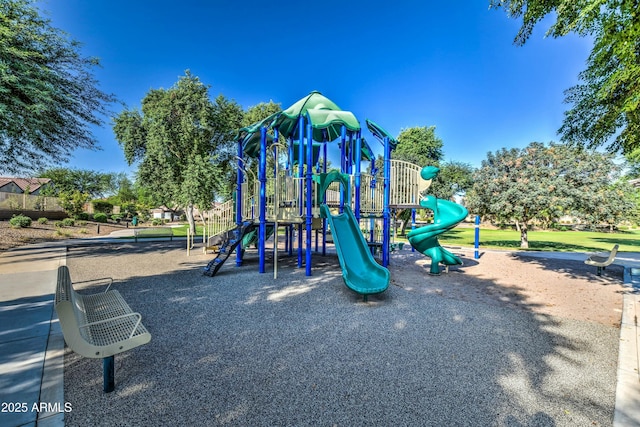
{"x": 367, "y": 152}
{"x": 316, "y": 153}
{"x": 250, "y": 135}
{"x": 380, "y": 133}
{"x": 326, "y": 118}
{"x": 326, "y": 121}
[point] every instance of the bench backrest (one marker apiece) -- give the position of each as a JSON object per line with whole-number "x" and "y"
{"x": 613, "y": 253}
{"x": 71, "y": 312}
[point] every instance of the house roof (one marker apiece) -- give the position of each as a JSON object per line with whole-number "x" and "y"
{"x": 32, "y": 184}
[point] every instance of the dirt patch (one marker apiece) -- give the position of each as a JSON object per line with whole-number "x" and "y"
{"x": 546, "y": 286}
{"x": 14, "y": 237}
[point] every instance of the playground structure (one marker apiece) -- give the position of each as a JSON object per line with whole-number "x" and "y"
{"x": 305, "y": 198}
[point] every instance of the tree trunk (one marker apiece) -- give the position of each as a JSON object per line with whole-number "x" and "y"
{"x": 403, "y": 227}
{"x": 190, "y": 219}
{"x": 524, "y": 237}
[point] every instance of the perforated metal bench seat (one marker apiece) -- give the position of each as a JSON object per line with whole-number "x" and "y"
{"x": 99, "y": 325}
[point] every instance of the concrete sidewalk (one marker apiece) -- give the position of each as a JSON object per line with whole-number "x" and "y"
{"x": 32, "y": 346}
{"x": 31, "y": 343}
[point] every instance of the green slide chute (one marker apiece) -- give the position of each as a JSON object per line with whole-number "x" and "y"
{"x": 361, "y": 273}
{"x": 446, "y": 215}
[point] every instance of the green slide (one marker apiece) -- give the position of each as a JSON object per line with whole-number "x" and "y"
{"x": 361, "y": 273}
{"x": 446, "y": 215}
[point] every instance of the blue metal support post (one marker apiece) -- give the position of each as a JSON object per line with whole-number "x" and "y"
{"x": 108, "y": 374}
{"x": 343, "y": 161}
{"x": 309, "y": 195}
{"x": 301, "y": 193}
{"x": 358, "y": 154}
{"x": 476, "y": 254}
{"x": 324, "y": 199}
{"x": 239, "y": 201}
{"x": 413, "y": 225}
{"x": 262, "y": 176}
{"x": 386, "y": 227}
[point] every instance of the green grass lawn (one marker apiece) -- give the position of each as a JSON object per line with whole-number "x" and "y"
{"x": 182, "y": 230}
{"x": 563, "y": 241}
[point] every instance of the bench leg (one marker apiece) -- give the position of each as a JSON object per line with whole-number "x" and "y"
{"x": 599, "y": 272}
{"x": 108, "y": 374}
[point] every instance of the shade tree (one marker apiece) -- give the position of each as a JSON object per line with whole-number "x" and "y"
{"x": 49, "y": 97}
{"x": 540, "y": 182}
{"x": 604, "y": 104}
{"x": 181, "y": 141}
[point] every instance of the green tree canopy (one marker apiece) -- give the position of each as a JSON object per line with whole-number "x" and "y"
{"x": 94, "y": 184}
{"x": 540, "y": 182}
{"x": 605, "y": 103}
{"x": 260, "y": 111}
{"x": 183, "y": 143}
{"x": 455, "y": 178}
{"x": 48, "y": 95}
{"x": 419, "y": 145}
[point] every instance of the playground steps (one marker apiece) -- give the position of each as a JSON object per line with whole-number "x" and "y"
{"x": 230, "y": 241}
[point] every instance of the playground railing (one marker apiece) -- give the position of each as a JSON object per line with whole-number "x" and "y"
{"x": 290, "y": 193}
{"x": 249, "y": 203}
{"x": 406, "y": 183}
{"x": 220, "y": 219}
{"x": 371, "y": 195}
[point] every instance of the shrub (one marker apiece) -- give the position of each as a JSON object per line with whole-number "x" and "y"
{"x": 83, "y": 216}
{"x": 42, "y": 220}
{"x": 83, "y": 231}
{"x": 81, "y": 223}
{"x": 59, "y": 224}
{"x": 20, "y": 221}
{"x": 129, "y": 209}
{"x": 73, "y": 202}
{"x": 116, "y": 217}
{"x": 157, "y": 221}
{"x": 100, "y": 217}
{"x": 59, "y": 232}
{"x": 68, "y": 222}
{"x": 102, "y": 206}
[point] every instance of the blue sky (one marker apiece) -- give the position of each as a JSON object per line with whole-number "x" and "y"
{"x": 400, "y": 63}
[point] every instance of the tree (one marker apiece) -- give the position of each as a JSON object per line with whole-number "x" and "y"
{"x": 260, "y": 111}
{"x": 605, "y": 198}
{"x": 605, "y": 104}
{"x": 48, "y": 95}
{"x": 73, "y": 202}
{"x": 94, "y": 184}
{"x": 454, "y": 179}
{"x": 419, "y": 145}
{"x": 183, "y": 143}
{"x": 538, "y": 182}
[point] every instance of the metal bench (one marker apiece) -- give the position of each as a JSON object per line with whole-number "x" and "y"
{"x": 98, "y": 325}
{"x": 602, "y": 260}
